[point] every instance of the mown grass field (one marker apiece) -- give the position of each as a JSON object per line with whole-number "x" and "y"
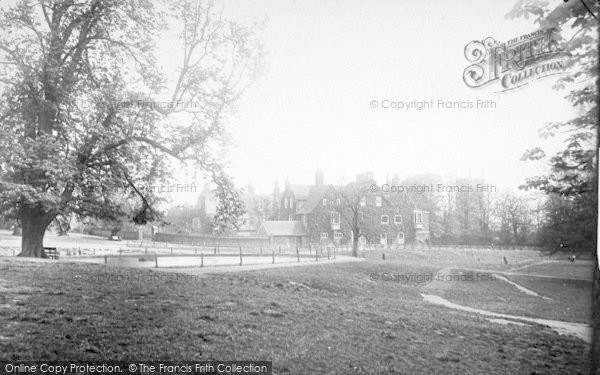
{"x": 327, "y": 319}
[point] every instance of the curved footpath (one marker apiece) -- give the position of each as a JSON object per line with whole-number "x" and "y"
{"x": 252, "y": 267}
{"x": 580, "y": 330}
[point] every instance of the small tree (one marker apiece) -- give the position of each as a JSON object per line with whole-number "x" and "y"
{"x": 353, "y": 209}
{"x": 230, "y": 208}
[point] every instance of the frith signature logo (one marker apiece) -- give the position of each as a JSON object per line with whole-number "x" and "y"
{"x": 516, "y": 62}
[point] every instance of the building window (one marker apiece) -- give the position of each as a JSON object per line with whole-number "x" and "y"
{"x": 385, "y": 219}
{"x": 377, "y": 201}
{"x": 291, "y": 202}
{"x": 324, "y": 201}
{"x": 324, "y": 236}
{"x": 401, "y": 236}
{"x": 337, "y": 235}
{"x": 285, "y": 203}
{"x": 363, "y": 201}
{"x": 418, "y": 218}
{"x": 291, "y": 217}
{"x": 383, "y": 236}
{"x": 335, "y": 218}
{"x": 397, "y": 219}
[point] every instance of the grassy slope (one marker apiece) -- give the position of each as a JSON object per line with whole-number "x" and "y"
{"x": 342, "y": 323}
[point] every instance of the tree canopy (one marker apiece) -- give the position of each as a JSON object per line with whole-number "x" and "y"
{"x": 572, "y": 181}
{"x": 87, "y": 113}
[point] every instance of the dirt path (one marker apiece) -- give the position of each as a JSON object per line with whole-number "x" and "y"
{"x": 252, "y": 267}
{"x": 580, "y": 330}
{"x": 521, "y": 288}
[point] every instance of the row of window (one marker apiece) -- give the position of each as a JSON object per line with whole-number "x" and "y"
{"x": 337, "y": 201}
{"x": 363, "y": 201}
{"x": 285, "y": 203}
{"x": 383, "y": 236}
{"x": 385, "y": 219}
{"x": 339, "y": 235}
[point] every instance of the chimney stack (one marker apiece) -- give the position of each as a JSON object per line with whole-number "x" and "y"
{"x": 319, "y": 179}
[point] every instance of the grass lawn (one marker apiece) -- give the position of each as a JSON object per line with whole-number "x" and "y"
{"x": 566, "y": 269}
{"x": 330, "y": 319}
{"x": 571, "y": 301}
{"x": 572, "y": 298}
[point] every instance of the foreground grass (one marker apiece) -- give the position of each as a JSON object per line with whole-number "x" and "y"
{"x": 322, "y": 319}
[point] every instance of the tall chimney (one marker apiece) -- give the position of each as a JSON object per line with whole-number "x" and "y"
{"x": 319, "y": 179}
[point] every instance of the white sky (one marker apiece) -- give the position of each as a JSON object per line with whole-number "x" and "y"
{"x": 328, "y": 59}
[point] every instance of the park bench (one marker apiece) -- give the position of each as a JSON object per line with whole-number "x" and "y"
{"x": 51, "y": 252}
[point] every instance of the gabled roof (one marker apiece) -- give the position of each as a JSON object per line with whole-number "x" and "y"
{"x": 284, "y": 228}
{"x": 315, "y": 196}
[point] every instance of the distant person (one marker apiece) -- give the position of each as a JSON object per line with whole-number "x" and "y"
{"x": 572, "y": 258}
{"x": 383, "y": 256}
{"x": 505, "y": 261}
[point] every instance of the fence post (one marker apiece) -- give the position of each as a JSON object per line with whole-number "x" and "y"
{"x": 334, "y": 249}
{"x": 171, "y": 251}
{"x": 13, "y": 252}
{"x": 273, "y": 256}
{"x": 105, "y": 259}
{"x": 297, "y": 254}
{"x": 240, "y": 255}
{"x": 261, "y": 250}
{"x": 146, "y": 250}
{"x": 317, "y": 255}
{"x": 201, "y": 259}
{"x": 279, "y": 249}
{"x": 120, "y": 251}
{"x": 328, "y": 254}
{"x": 215, "y": 250}
{"x": 195, "y": 250}
{"x": 155, "y": 260}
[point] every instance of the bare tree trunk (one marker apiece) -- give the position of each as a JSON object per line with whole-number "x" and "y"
{"x": 34, "y": 223}
{"x": 596, "y": 318}
{"x": 355, "y": 244}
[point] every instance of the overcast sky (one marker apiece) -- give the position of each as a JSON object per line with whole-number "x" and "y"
{"x": 328, "y": 59}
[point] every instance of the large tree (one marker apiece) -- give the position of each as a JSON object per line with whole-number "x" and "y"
{"x": 572, "y": 178}
{"x": 573, "y": 181}
{"x": 86, "y": 111}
